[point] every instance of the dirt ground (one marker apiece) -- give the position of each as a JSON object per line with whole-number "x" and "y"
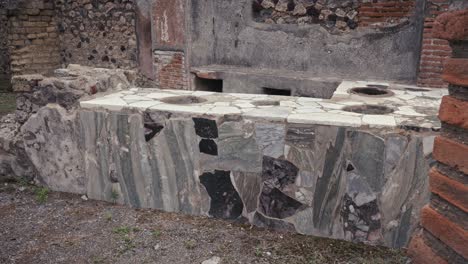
{"x": 38, "y": 226}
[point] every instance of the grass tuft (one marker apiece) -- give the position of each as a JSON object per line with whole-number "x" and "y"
{"x": 122, "y": 230}
{"x": 190, "y": 244}
{"x": 114, "y": 196}
{"x": 42, "y": 194}
{"x": 156, "y": 233}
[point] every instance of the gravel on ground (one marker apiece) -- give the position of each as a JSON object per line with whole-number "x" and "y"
{"x": 40, "y": 226}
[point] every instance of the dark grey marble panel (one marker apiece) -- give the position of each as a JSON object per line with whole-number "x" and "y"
{"x": 225, "y": 201}
{"x": 276, "y": 204}
{"x": 206, "y": 128}
{"x": 208, "y": 146}
{"x": 278, "y": 172}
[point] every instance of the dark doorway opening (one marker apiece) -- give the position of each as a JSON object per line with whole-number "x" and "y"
{"x": 208, "y": 85}
{"x": 273, "y": 91}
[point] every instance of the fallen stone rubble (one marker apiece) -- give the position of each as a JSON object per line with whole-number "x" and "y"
{"x": 45, "y": 122}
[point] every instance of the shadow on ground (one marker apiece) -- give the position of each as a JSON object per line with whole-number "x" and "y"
{"x": 38, "y": 226}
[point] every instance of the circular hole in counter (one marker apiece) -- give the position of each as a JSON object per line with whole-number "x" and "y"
{"x": 369, "y": 109}
{"x": 183, "y": 100}
{"x": 371, "y": 92}
{"x": 380, "y": 86}
{"x": 266, "y": 103}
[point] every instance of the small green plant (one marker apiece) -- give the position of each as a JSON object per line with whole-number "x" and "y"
{"x": 122, "y": 230}
{"x": 258, "y": 252}
{"x": 127, "y": 244}
{"x": 97, "y": 260}
{"x": 319, "y": 258}
{"x": 108, "y": 216}
{"x": 114, "y": 196}
{"x": 156, "y": 233}
{"x": 42, "y": 194}
{"x": 23, "y": 182}
{"x": 124, "y": 234}
{"x": 190, "y": 244}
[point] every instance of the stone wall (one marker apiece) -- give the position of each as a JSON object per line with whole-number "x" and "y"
{"x": 97, "y": 33}
{"x": 334, "y": 14}
{"x": 330, "y": 14}
{"x": 225, "y": 32}
{"x": 445, "y": 227}
{"x": 33, "y": 37}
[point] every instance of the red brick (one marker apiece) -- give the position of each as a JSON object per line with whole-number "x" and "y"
{"x": 456, "y": 71}
{"x": 437, "y": 47}
{"x": 454, "y": 111}
{"x": 451, "y": 153}
{"x": 448, "y": 232}
{"x": 452, "y": 25}
{"x": 451, "y": 190}
{"x": 441, "y": 42}
{"x": 421, "y": 253}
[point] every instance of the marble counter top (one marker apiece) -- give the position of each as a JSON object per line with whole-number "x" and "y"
{"x": 412, "y": 107}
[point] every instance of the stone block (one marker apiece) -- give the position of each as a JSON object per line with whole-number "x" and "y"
{"x": 25, "y": 83}
{"x": 449, "y": 189}
{"x": 422, "y": 253}
{"x": 452, "y": 26}
{"x": 456, "y": 71}
{"x": 453, "y": 235}
{"x": 51, "y": 142}
{"x": 32, "y": 11}
{"x": 451, "y": 153}
{"x": 454, "y": 111}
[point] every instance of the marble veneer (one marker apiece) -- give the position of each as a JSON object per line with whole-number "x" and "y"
{"x": 298, "y": 164}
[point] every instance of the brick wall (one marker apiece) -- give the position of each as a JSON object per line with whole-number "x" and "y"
{"x": 434, "y": 50}
{"x": 444, "y": 237}
{"x": 170, "y": 69}
{"x": 97, "y": 33}
{"x": 384, "y": 12}
{"x": 33, "y": 38}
